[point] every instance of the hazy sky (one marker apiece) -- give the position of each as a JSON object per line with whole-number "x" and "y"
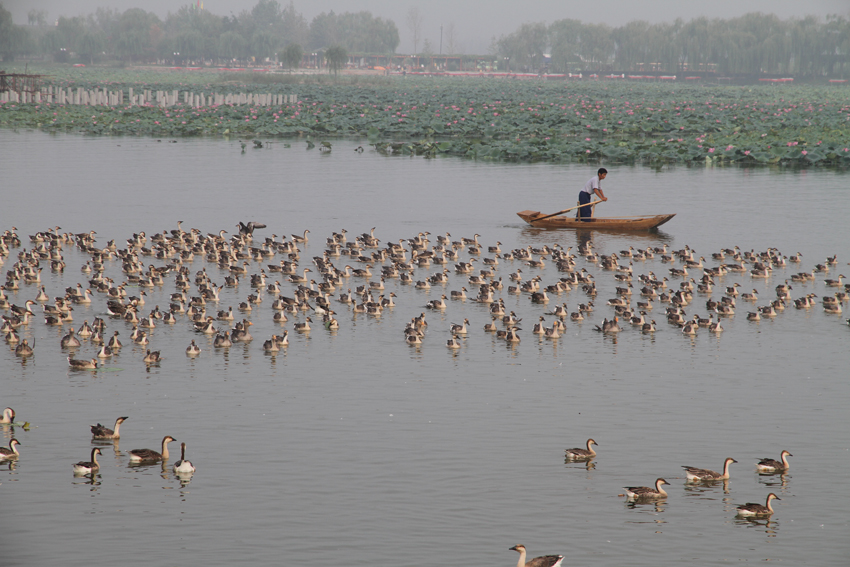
{"x": 475, "y": 21}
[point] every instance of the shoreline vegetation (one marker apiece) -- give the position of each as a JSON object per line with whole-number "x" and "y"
{"x": 500, "y": 119}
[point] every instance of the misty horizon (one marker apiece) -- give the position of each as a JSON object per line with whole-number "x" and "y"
{"x": 476, "y": 23}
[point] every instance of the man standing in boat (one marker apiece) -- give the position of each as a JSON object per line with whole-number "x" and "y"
{"x": 591, "y": 188}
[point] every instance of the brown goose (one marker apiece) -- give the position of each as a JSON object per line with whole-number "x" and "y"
{"x": 647, "y": 493}
{"x": 100, "y": 431}
{"x": 542, "y": 561}
{"x": 149, "y": 455}
{"x": 82, "y": 364}
{"x": 771, "y": 465}
{"x": 579, "y": 453}
{"x": 752, "y": 510}
{"x": 698, "y": 475}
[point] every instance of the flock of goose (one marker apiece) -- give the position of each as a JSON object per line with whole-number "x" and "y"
{"x": 182, "y": 468}
{"x": 240, "y": 258}
{"x": 398, "y": 261}
{"x": 655, "y": 493}
{"x": 693, "y": 474}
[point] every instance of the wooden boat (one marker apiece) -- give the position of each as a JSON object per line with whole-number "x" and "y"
{"x": 645, "y": 222}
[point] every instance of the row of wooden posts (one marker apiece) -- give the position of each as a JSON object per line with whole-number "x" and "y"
{"x": 147, "y": 97}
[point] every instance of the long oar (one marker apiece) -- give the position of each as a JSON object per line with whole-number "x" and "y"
{"x": 567, "y": 210}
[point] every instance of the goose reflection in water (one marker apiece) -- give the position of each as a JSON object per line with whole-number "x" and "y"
{"x": 705, "y": 488}
{"x": 774, "y": 479}
{"x": 92, "y": 479}
{"x": 588, "y": 464}
{"x": 771, "y": 526}
{"x": 658, "y": 506}
{"x": 184, "y": 477}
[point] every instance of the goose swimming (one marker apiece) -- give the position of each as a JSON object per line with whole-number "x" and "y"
{"x": 114, "y": 343}
{"x": 82, "y": 364}
{"x": 413, "y": 338}
{"x": 460, "y": 329}
{"x": 771, "y": 465}
{"x": 609, "y": 326}
{"x": 102, "y": 432}
{"x": 578, "y": 453}
{"x": 222, "y": 340}
{"x": 88, "y": 467}
{"x": 752, "y": 510}
{"x": 305, "y": 326}
{"x": 148, "y": 455}
{"x": 542, "y": 561}
{"x": 646, "y": 492}
{"x": 10, "y": 453}
{"x": 697, "y": 475}
{"x": 183, "y": 466}
{"x": 69, "y": 340}
{"x": 193, "y": 349}
{"x": 553, "y": 332}
{"x": 8, "y": 416}
{"x": 538, "y": 328}
{"x": 152, "y": 357}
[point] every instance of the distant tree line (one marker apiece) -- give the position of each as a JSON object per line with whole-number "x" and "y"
{"x": 751, "y": 44}
{"x": 194, "y": 34}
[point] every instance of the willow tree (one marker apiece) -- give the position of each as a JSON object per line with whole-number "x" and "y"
{"x": 597, "y": 46}
{"x": 336, "y": 56}
{"x": 525, "y": 47}
{"x": 565, "y": 42}
{"x": 231, "y": 45}
{"x": 90, "y": 43}
{"x": 263, "y": 44}
{"x": 291, "y": 55}
{"x": 630, "y": 47}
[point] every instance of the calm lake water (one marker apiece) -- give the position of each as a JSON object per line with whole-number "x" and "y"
{"x": 353, "y": 448}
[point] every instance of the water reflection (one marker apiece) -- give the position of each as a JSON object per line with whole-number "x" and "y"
{"x": 532, "y": 234}
{"x": 91, "y": 479}
{"x": 775, "y": 479}
{"x": 656, "y": 506}
{"x": 325, "y": 492}
{"x": 587, "y": 464}
{"x": 184, "y": 477}
{"x": 770, "y": 526}
{"x": 704, "y": 488}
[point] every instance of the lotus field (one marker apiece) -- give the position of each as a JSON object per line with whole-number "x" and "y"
{"x": 498, "y": 119}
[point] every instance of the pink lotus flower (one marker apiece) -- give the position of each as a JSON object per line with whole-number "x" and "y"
{"x": 711, "y": 150}
{"x": 805, "y": 152}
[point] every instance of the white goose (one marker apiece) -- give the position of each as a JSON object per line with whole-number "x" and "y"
{"x": 183, "y": 466}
